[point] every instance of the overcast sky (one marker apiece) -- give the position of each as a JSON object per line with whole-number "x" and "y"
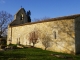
{"x": 42, "y": 8}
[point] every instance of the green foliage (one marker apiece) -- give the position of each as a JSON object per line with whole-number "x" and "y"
{"x": 13, "y": 46}
{"x": 3, "y": 41}
{"x": 34, "y": 54}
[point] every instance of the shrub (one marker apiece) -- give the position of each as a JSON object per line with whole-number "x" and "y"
{"x": 13, "y": 46}
{"x": 3, "y": 42}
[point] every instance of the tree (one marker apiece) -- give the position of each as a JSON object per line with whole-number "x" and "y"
{"x": 29, "y": 13}
{"x": 33, "y": 37}
{"x": 46, "y": 41}
{"x": 5, "y": 19}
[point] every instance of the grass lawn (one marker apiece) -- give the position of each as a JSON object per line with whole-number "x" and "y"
{"x": 35, "y": 54}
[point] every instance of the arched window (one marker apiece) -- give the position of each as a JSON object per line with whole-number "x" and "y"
{"x": 54, "y": 34}
{"x": 21, "y": 17}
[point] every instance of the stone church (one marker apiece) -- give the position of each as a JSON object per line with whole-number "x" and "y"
{"x": 62, "y": 33}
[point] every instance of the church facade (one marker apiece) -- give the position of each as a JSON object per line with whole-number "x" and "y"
{"x": 62, "y": 33}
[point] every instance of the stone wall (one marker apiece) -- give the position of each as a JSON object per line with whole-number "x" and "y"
{"x": 63, "y": 40}
{"x": 77, "y": 35}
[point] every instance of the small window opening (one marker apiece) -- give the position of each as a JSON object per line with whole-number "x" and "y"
{"x": 55, "y": 35}
{"x": 21, "y": 17}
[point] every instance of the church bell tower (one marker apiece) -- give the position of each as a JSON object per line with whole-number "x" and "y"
{"x": 21, "y": 17}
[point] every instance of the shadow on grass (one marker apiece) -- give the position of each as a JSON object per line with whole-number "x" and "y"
{"x": 35, "y": 54}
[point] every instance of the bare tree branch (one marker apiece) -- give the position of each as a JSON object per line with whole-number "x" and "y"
{"x": 33, "y": 37}
{"x": 46, "y": 41}
{"x": 5, "y": 19}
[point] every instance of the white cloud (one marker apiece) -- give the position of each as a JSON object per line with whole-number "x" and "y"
{"x": 2, "y": 1}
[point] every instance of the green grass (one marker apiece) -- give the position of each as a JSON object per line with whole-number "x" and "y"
{"x": 34, "y": 54}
